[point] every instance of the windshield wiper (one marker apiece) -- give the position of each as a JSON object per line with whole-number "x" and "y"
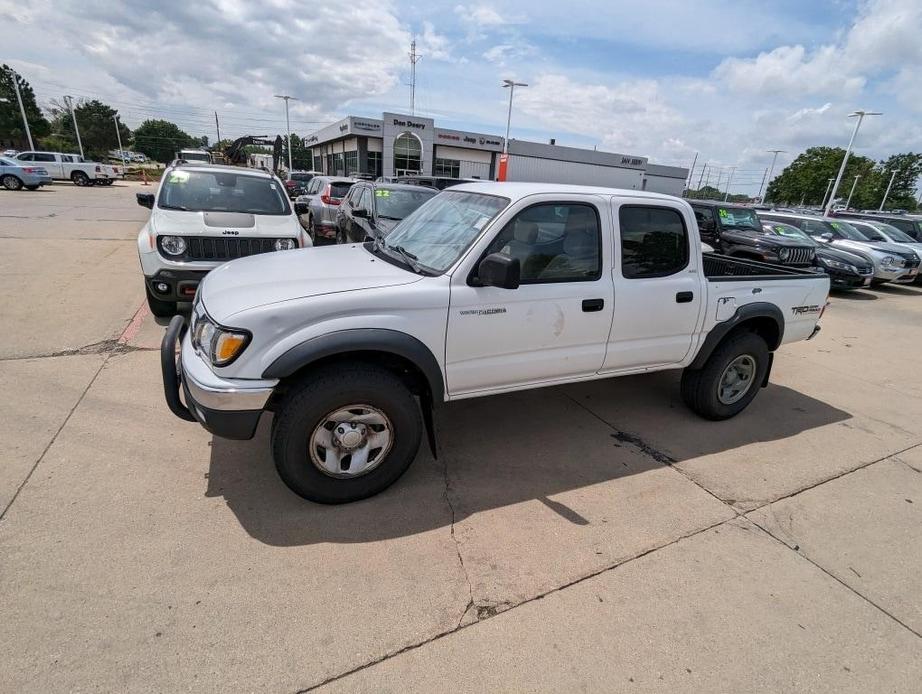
{"x": 407, "y": 257}
{"x": 385, "y": 216}
{"x": 174, "y": 207}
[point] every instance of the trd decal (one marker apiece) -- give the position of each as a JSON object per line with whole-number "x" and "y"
{"x": 801, "y": 310}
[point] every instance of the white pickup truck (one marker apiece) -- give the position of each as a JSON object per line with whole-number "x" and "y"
{"x": 487, "y": 288}
{"x": 71, "y": 167}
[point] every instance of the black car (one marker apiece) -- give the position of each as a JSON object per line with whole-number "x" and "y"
{"x": 905, "y": 223}
{"x": 846, "y": 270}
{"x": 736, "y": 231}
{"x": 370, "y": 210}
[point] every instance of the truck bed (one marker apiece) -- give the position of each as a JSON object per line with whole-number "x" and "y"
{"x": 722, "y": 268}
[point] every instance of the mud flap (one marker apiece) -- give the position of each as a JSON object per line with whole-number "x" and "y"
{"x": 425, "y": 401}
{"x": 768, "y": 371}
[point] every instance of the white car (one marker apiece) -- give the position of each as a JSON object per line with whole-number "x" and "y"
{"x": 71, "y": 167}
{"x": 486, "y": 288}
{"x": 203, "y": 216}
{"x": 886, "y": 233}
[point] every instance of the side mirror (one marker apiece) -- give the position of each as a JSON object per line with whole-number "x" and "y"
{"x": 300, "y": 208}
{"x": 145, "y": 200}
{"x": 360, "y": 213}
{"x": 827, "y": 236}
{"x": 498, "y": 270}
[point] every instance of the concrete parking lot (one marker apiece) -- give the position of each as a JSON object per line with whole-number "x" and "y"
{"x": 596, "y": 537}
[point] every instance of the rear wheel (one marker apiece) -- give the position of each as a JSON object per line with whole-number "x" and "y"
{"x": 80, "y": 178}
{"x": 346, "y": 433}
{"x": 10, "y": 182}
{"x": 730, "y": 378}
{"x": 158, "y": 307}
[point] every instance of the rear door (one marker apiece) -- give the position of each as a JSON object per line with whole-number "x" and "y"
{"x": 658, "y": 285}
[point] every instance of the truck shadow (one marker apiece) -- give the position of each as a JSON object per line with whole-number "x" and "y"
{"x": 508, "y": 449}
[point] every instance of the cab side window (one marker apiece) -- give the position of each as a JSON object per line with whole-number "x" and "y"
{"x": 27, "y": 156}
{"x": 654, "y": 241}
{"x": 67, "y": 159}
{"x": 705, "y": 218}
{"x": 555, "y": 242}
{"x": 42, "y": 157}
{"x": 366, "y": 202}
{"x": 819, "y": 228}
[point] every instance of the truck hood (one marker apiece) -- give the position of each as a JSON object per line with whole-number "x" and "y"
{"x": 763, "y": 238}
{"x": 180, "y": 223}
{"x": 288, "y": 275}
{"x": 851, "y": 256}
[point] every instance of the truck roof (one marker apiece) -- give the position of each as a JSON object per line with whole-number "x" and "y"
{"x": 719, "y": 203}
{"x": 240, "y": 170}
{"x": 520, "y": 190}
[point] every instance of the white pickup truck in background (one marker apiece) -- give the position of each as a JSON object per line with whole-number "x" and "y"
{"x": 486, "y": 288}
{"x": 72, "y": 167}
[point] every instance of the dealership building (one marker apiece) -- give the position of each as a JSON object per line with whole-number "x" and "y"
{"x": 398, "y": 144}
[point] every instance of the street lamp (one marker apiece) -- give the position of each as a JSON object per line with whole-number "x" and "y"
{"x": 22, "y": 110}
{"x": 860, "y": 115}
{"x": 69, "y": 100}
{"x": 286, "y": 99}
{"x": 828, "y": 186}
{"x": 511, "y": 85}
{"x": 771, "y": 170}
{"x": 848, "y": 202}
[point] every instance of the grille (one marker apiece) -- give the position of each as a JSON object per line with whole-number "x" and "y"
{"x": 911, "y": 262}
{"x": 800, "y": 256}
{"x": 222, "y": 247}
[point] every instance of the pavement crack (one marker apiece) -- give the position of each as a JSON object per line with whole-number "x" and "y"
{"x": 110, "y": 347}
{"x": 454, "y": 539}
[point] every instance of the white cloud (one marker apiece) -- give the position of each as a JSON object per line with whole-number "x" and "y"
{"x": 482, "y": 15}
{"x": 432, "y": 44}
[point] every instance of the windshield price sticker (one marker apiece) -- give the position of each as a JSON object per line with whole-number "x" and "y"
{"x": 723, "y": 213}
{"x": 382, "y": 193}
{"x": 179, "y": 176}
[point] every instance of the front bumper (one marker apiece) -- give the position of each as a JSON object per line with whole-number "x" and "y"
{"x": 227, "y": 408}
{"x": 908, "y": 277}
{"x": 847, "y": 280}
{"x": 175, "y": 285}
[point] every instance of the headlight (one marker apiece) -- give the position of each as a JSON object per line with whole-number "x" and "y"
{"x": 174, "y": 245}
{"x": 220, "y": 345}
{"x": 285, "y": 244}
{"x": 839, "y": 265}
{"x": 784, "y": 253}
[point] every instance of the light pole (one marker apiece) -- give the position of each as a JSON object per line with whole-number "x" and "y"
{"x": 118, "y": 135}
{"x": 860, "y": 115}
{"x": 848, "y": 202}
{"x": 729, "y": 181}
{"x": 70, "y": 104}
{"x": 511, "y": 85}
{"x": 22, "y": 110}
{"x": 828, "y": 186}
{"x": 286, "y": 99}
{"x": 771, "y": 169}
{"x": 889, "y": 186}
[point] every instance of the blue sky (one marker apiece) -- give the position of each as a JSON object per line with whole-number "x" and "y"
{"x": 660, "y": 78}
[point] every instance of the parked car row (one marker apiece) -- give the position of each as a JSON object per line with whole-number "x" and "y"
{"x": 62, "y": 166}
{"x": 854, "y": 252}
{"x": 16, "y": 175}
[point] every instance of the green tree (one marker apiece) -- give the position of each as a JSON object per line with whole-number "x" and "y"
{"x": 301, "y": 158}
{"x": 161, "y": 140}
{"x": 96, "y": 121}
{"x": 12, "y": 131}
{"x": 902, "y": 195}
{"x": 807, "y": 177}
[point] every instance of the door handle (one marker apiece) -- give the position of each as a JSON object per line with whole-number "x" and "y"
{"x": 684, "y": 297}
{"x": 590, "y": 305}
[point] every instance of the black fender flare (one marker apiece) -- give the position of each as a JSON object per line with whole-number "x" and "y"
{"x": 362, "y": 340}
{"x": 757, "y": 309}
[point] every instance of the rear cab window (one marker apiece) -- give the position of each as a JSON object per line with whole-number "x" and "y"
{"x": 654, "y": 241}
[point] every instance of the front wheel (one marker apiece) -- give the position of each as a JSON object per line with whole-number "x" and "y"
{"x": 10, "y": 182}
{"x": 346, "y": 433}
{"x": 730, "y": 378}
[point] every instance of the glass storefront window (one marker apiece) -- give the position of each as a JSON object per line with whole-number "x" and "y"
{"x": 408, "y": 153}
{"x": 447, "y": 167}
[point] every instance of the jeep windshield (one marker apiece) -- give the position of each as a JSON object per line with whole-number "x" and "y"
{"x": 399, "y": 203}
{"x": 220, "y": 191}
{"x": 438, "y": 232}
{"x": 738, "y": 218}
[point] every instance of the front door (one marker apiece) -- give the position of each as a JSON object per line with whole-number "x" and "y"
{"x": 658, "y": 286}
{"x": 555, "y": 324}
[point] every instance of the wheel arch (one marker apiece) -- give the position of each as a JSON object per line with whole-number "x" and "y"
{"x": 762, "y": 318}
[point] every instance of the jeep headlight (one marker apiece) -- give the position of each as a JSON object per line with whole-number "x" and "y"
{"x": 173, "y": 245}
{"x": 220, "y": 345}
{"x": 784, "y": 253}
{"x": 285, "y": 244}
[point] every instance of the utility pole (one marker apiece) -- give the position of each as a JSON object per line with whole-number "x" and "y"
{"x": 414, "y": 58}
{"x": 217, "y": 126}
{"x": 848, "y": 202}
{"x": 691, "y": 172}
{"x": 889, "y": 186}
{"x": 22, "y": 109}
{"x": 511, "y": 85}
{"x": 771, "y": 169}
{"x": 828, "y": 186}
{"x": 69, "y": 100}
{"x": 701, "y": 177}
{"x": 286, "y": 99}
{"x": 848, "y": 151}
{"x": 762, "y": 185}
{"x": 729, "y": 181}
{"x": 118, "y": 135}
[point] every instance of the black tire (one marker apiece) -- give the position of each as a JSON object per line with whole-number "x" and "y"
{"x": 341, "y": 236}
{"x": 322, "y": 393}
{"x": 108, "y": 182}
{"x": 80, "y": 178}
{"x": 11, "y": 182}
{"x": 159, "y": 307}
{"x": 32, "y": 187}
{"x": 700, "y": 386}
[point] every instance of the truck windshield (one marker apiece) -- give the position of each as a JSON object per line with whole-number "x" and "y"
{"x": 438, "y": 232}
{"x": 847, "y": 230}
{"x": 218, "y": 191}
{"x": 399, "y": 203}
{"x": 789, "y": 231}
{"x": 738, "y": 217}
